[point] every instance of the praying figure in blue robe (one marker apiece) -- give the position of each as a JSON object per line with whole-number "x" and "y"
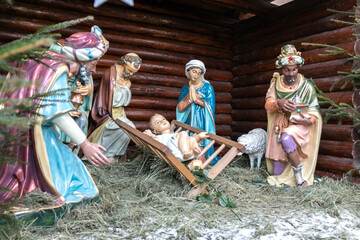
{"x": 196, "y": 104}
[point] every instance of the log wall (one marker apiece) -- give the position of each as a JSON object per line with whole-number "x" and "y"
{"x": 162, "y": 36}
{"x": 257, "y": 44}
{"x": 239, "y": 57}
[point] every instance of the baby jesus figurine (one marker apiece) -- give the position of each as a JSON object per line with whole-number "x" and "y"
{"x": 82, "y": 79}
{"x": 183, "y": 146}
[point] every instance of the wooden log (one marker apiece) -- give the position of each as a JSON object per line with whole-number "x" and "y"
{"x": 168, "y": 92}
{"x": 337, "y": 176}
{"x": 356, "y": 98}
{"x": 334, "y": 164}
{"x": 124, "y": 38}
{"x": 333, "y": 37}
{"x": 247, "y": 93}
{"x": 318, "y": 70}
{"x": 260, "y": 115}
{"x": 256, "y": 7}
{"x": 142, "y": 78}
{"x": 111, "y": 24}
{"x": 148, "y": 53}
{"x": 335, "y": 120}
{"x": 291, "y": 22}
{"x": 213, "y": 15}
{"x": 249, "y": 114}
{"x": 336, "y": 148}
{"x": 174, "y": 81}
{"x": 118, "y": 50}
{"x": 248, "y": 103}
{"x": 168, "y": 68}
{"x": 343, "y": 97}
{"x": 251, "y": 91}
{"x": 355, "y": 133}
{"x": 246, "y": 126}
{"x": 142, "y": 102}
{"x": 356, "y": 150}
{"x": 310, "y": 57}
{"x": 336, "y": 132}
{"x": 332, "y": 132}
{"x": 135, "y": 15}
{"x": 289, "y": 15}
{"x": 324, "y": 84}
{"x": 288, "y": 34}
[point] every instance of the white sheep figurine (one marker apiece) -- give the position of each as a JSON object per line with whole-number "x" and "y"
{"x": 255, "y": 143}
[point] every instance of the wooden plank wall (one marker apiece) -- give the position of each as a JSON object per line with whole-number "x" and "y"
{"x": 166, "y": 37}
{"x": 257, "y": 44}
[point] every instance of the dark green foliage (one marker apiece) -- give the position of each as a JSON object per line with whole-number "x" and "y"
{"x": 202, "y": 178}
{"x": 334, "y": 109}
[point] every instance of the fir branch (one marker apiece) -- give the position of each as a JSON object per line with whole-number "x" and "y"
{"x": 16, "y": 51}
{"x": 62, "y": 25}
{"x": 344, "y": 22}
{"x": 342, "y": 12}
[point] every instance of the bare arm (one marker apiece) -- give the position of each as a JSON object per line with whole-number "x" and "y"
{"x": 92, "y": 151}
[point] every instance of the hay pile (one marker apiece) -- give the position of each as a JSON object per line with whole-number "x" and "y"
{"x": 147, "y": 200}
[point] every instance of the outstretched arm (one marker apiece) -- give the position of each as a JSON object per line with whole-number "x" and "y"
{"x": 92, "y": 151}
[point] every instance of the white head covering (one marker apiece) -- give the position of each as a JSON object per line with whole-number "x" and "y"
{"x": 197, "y": 64}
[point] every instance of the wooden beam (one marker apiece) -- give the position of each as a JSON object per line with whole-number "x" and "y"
{"x": 258, "y": 7}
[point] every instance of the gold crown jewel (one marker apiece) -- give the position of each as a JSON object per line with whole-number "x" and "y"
{"x": 288, "y": 51}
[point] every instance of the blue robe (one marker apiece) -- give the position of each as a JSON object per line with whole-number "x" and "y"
{"x": 69, "y": 175}
{"x": 197, "y": 116}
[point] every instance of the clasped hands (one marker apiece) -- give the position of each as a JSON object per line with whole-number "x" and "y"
{"x": 289, "y": 106}
{"x": 192, "y": 94}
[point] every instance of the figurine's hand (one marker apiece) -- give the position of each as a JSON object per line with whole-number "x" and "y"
{"x": 123, "y": 82}
{"x": 92, "y": 152}
{"x": 83, "y": 90}
{"x": 286, "y": 105}
{"x": 75, "y": 114}
{"x": 203, "y": 135}
{"x": 192, "y": 93}
{"x": 149, "y": 133}
{"x": 303, "y": 120}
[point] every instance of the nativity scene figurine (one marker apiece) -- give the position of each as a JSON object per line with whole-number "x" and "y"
{"x": 183, "y": 146}
{"x": 45, "y": 163}
{"x": 111, "y": 99}
{"x": 294, "y": 123}
{"x": 196, "y": 104}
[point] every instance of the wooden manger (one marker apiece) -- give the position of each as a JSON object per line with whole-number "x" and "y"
{"x": 230, "y": 147}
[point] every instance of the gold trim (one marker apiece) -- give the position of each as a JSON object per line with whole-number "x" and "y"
{"x": 39, "y": 143}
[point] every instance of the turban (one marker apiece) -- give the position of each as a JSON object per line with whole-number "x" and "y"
{"x": 289, "y": 56}
{"x": 86, "y": 46}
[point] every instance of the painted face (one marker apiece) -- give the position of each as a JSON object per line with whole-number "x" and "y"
{"x": 129, "y": 70}
{"x": 159, "y": 124}
{"x": 195, "y": 74}
{"x": 290, "y": 73}
{"x": 91, "y": 66}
